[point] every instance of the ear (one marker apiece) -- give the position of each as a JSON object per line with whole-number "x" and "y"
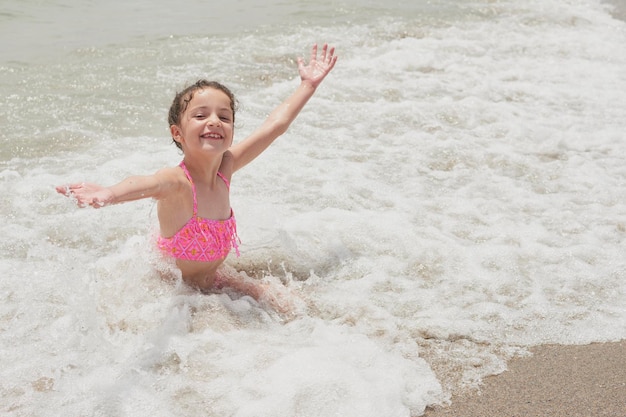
{"x": 177, "y": 135}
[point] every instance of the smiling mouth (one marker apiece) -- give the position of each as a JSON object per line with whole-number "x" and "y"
{"x": 212, "y": 136}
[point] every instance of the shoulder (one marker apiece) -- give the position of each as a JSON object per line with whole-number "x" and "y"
{"x": 169, "y": 172}
{"x": 171, "y": 180}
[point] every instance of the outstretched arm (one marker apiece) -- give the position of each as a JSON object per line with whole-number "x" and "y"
{"x": 132, "y": 188}
{"x": 278, "y": 121}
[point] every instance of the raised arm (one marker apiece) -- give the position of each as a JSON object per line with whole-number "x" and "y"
{"x": 278, "y": 121}
{"x": 130, "y": 189}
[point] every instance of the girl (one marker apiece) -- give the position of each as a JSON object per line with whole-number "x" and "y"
{"x": 197, "y": 224}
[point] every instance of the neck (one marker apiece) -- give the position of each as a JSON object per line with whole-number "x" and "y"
{"x": 203, "y": 170}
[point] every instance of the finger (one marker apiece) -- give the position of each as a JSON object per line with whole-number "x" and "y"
{"x": 314, "y": 53}
{"x": 331, "y": 54}
{"x": 75, "y": 186}
{"x": 68, "y": 189}
{"x": 324, "y": 50}
{"x": 95, "y": 203}
{"x": 63, "y": 189}
{"x": 331, "y": 65}
{"x": 68, "y": 186}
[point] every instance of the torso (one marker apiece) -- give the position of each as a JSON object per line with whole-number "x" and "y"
{"x": 176, "y": 215}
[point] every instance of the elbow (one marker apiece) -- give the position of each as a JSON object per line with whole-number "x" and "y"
{"x": 281, "y": 129}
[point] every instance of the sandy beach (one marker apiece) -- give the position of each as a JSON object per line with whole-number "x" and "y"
{"x": 556, "y": 381}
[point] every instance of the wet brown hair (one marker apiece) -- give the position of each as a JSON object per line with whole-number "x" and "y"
{"x": 182, "y": 99}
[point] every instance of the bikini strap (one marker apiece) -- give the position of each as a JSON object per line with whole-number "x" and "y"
{"x": 193, "y": 188}
{"x": 219, "y": 174}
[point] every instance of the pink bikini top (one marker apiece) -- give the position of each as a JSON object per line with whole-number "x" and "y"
{"x": 200, "y": 239}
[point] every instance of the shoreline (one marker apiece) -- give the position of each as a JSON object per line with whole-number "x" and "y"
{"x": 557, "y": 380}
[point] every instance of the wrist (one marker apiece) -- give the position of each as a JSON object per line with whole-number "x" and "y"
{"x": 109, "y": 198}
{"x": 308, "y": 84}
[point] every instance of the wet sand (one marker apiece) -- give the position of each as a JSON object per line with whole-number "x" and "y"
{"x": 556, "y": 381}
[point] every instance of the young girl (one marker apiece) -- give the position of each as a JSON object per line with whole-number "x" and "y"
{"x": 197, "y": 224}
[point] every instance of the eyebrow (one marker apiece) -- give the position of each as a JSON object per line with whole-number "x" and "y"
{"x": 228, "y": 109}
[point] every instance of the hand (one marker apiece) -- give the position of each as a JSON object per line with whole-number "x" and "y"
{"x": 86, "y": 194}
{"x": 316, "y": 71}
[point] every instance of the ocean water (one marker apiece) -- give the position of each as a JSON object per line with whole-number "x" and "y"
{"x": 454, "y": 194}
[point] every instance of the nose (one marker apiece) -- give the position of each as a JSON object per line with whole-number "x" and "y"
{"x": 213, "y": 120}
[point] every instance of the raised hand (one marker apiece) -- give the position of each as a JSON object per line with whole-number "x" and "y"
{"x": 316, "y": 70}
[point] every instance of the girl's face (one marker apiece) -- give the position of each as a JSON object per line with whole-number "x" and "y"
{"x": 207, "y": 123}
